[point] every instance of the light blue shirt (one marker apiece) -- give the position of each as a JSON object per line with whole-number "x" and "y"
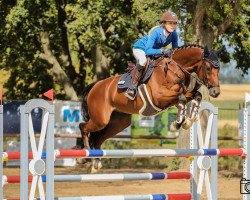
{"x": 153, "y": 43}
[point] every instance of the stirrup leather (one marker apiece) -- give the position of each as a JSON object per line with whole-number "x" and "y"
{"x": 130, "y": 95}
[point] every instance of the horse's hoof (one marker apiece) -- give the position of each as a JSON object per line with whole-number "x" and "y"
{"x": 81, "y": 161}
{"x": 174, "y": 126}
{"x": 95, "y": 167}
{"x": 196, "y": 118}
{"x": 187, "y": 124}
{"x": 91, "y": 170}
{"x": 97, "y": 164}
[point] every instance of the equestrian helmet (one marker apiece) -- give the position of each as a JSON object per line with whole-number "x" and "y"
{"x": 169, "y": 16}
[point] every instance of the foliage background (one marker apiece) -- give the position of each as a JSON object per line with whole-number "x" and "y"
{"x": 65, "y": 45}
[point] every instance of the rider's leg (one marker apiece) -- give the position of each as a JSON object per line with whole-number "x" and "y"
{"x": 136, "y": 73}
{"x": 136, "y": 76}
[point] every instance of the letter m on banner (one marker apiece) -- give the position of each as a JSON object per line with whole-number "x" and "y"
{"x": 69, "y": 116}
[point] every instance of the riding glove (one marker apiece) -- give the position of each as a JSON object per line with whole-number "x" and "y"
{"x": 166, "y": 52}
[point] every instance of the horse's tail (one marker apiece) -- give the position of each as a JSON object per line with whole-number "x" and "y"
{"x": 85, "y": 113}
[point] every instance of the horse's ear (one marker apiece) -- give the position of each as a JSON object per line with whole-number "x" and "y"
{"x": 206, "y": 52}
{"x": 219, "y": 51}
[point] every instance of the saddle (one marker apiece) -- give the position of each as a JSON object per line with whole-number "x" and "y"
{"x": 148, "y": 108}
{"x": 125, "y": 79}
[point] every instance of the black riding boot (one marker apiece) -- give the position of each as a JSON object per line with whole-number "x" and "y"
{"x": 132, "y": 90}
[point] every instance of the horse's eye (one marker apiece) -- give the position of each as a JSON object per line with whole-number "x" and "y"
{"x": 209, "y": 69}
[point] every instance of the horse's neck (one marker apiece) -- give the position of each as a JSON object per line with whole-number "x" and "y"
{"x": 159, "y": 85}
{"x": 163, "y": 86}
{"x": 188, "y": 59}
{"x": 159, "y": 73}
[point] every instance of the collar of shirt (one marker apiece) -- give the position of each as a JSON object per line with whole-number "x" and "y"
{"x": 163, "y": 36}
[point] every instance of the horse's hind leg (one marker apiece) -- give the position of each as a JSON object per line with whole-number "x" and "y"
{"x": 117, "y": 123}
{"x": 87, "y": 127}
{"x": 85, "y": 142}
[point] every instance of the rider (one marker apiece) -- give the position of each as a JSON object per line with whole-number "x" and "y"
{"x": 151, "y": 44}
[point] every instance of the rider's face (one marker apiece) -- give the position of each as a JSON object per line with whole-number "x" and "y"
{"x": 170, "y": 26}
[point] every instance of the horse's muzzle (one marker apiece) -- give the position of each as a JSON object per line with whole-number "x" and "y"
{"x": 214, "y": 92}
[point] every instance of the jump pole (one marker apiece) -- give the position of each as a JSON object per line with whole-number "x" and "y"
{"x": 132, "y": 153}
{"x": 107, "y": 177}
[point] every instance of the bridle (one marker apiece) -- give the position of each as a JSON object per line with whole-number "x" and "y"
{"x": 214, "y": 63}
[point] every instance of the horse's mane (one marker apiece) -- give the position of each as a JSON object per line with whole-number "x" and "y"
{"x": 187, "y": 47}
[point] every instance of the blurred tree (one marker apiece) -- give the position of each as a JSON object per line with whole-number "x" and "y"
{"x": 67, "y": 44}
{"x": 61, "y": 44}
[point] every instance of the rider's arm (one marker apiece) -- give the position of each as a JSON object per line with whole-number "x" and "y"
{"x": 149, "y": 50}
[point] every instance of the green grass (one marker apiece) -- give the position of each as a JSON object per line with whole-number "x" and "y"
{"x": 230, "y": 104}
{"x": 161, "y": 124}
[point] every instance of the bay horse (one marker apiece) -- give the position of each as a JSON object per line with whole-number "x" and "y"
{"x": 109, "y": 111}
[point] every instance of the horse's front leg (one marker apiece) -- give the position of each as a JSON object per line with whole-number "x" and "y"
{"x": 195, "y": 105}
{"x": 181, "y": 115}
{"x": 194, "y": 108}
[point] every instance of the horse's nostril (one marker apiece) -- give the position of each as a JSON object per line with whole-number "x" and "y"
{"x": 214, "y": 92}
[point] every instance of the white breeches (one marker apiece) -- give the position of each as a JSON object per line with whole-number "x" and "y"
{"x": 140, "y": 56}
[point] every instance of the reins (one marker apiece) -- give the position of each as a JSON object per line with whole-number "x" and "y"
{"x": 204, "y": 82}
{"x": 190, "y": 74}
{"x": 200, "y": 82}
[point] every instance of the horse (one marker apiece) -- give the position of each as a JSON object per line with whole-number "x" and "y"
{"x": 109, "y": 111}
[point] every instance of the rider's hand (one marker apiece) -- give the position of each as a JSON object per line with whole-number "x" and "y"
{"x": 166, "y": 52}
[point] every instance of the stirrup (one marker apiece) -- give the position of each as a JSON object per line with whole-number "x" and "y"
{"x": 129, "y": 95}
